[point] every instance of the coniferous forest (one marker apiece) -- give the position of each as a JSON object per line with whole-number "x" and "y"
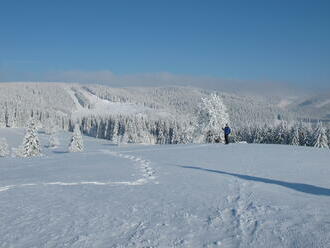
{"x": 168, "y": 115}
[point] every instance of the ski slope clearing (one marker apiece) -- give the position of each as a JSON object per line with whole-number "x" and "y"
{"x": 88, "y": 104}
{"x": 208, "y": 195}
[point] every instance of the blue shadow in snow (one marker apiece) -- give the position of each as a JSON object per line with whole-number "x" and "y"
{"x": 60, "y": 152}
{"x": 305, "y": 188}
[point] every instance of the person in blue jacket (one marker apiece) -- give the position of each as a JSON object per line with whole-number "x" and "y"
{"x": 227, "y": 131}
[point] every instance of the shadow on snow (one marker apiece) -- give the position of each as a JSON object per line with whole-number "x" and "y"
{"x": 305, "y": 188}
{"x": 60, "y": 152}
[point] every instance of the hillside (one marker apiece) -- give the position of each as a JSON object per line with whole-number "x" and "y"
{"x": 316, "y": 107}
{"x": 208, "y": 195}
{"x": 64, "y": 102}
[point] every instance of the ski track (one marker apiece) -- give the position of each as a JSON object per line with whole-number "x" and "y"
{"x": 148, "y": 174}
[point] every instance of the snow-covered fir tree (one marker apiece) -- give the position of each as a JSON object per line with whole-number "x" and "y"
{"x": 31, "y": 144}
{"x": 281, "y": 133}
{"x": 294, "y": 136}
{"x": 320, "y": 137}
{"x": 306, "y": 134}
{"x": 4, "y": 150}
{"x": 76, "y": 142}
{"x": 212, "y": 117}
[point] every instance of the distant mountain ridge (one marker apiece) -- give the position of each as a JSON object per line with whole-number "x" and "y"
{"x": 316, "y": 107}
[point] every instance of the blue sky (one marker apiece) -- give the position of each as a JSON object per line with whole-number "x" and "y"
{"x": 260, "y": 41}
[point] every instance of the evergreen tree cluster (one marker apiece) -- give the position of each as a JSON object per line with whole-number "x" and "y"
{"x": 19, "y": 102}
{"x": 136, "y": 129}
{"x": 303, "y": 134}
{"x": 166, "y": 115}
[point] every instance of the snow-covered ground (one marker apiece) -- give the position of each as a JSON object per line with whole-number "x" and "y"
{"x": 239, "y": 195}
{"x": 97, "y": 106}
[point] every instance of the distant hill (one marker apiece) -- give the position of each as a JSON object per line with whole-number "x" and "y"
{"x": 315, "y": 107}
{"x": 64, "y": 102}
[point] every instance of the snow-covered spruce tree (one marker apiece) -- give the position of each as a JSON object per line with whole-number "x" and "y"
{"x": 31, "y": 144}
{"x": 143, "y": 136}
{"x": 259, "y": 135}
{"x": 306, "y": 135}
{"x": 294, "y": 136}
{"x": 281, "y": 133}
{"x": 269, "y": 135}
{"x": 4, "y": 151}
{"x": 212, "y": 117}
{"x": 320, "y": 137}
{"x": 76, "y": 142}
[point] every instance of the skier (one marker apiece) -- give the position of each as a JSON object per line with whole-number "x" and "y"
{"x": 227, "y": 132}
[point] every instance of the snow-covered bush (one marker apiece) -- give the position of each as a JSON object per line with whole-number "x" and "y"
{"x": 31, "y": 144}
{"x": 4, "y": 151}
{"x": 76, "y": 142}
{"x": 212, "y": 117}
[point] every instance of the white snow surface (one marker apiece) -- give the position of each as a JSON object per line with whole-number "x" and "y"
{"x": 284, "y": 103}
{"x": 101, "y": 107}
{"x": 208, "y": 195}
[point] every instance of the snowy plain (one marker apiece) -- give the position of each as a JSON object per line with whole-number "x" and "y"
{"x": 206, "y": 195}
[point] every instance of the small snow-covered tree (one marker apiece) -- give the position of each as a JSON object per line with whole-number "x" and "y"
{"x": 76, "y": 142}
{"x": 320, "y": 137}
{"x": 31, "y": 144}
{"x": 4, "y": 151}
{"x": 212, "y": 117}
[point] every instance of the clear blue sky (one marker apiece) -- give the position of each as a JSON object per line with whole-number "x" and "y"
{"x": 271, "y": 40}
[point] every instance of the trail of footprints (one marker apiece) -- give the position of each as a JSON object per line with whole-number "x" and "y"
{"x": 147, "y": 171}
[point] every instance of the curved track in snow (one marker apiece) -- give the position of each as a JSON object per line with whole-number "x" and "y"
{"x": 148, "y": 174}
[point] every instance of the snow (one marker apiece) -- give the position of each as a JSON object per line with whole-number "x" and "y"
{"x": 101, "y": 107}
{"x": 205, "y": 195}
{"x": 284, "y": 103}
